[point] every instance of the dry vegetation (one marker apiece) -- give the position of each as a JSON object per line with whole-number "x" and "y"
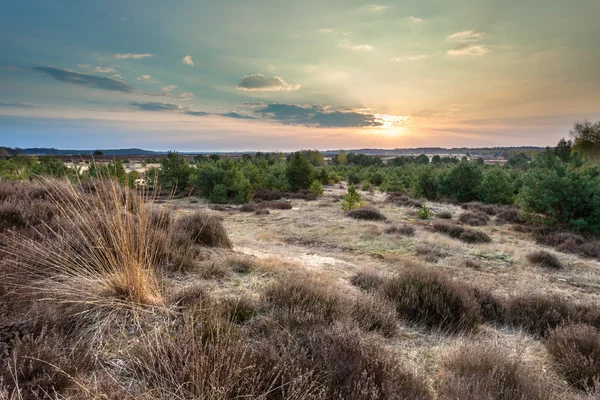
{"x": 106, "y": 294}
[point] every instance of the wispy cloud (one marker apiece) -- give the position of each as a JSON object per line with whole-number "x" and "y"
{"x": 415, "y": 19}
{"x": 104, "y": 70}
{"x": 17, "y": 105}
{"x": 187, "y": 60}
{"x": 185, "y": 96}
{"x": 156, "y": 106}
{"x": 135, "y": 56}
{"x": 468, "y": 49}
{"x": 326, "y": 30}
{"x": 467, "y": 36}
{"x": 411, "y": 58}
{"x": 374, "y": 7}
{"x": 96, "y": 82}
{"x": 232, "y": 114}
{"x": 144, "y": 77}
{"x": 347, "y": 44}
{"x": 259, "y": 82}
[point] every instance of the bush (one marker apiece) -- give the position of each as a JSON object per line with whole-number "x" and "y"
{"x": 407, "y": 201}
{"x": 544, "y": 259}
{"x": 538, "y": 314}
{"x": 299, "y": 172}
{"x": 316, "y": 188}
{"x": 461, "y": 233}
{"x": 266, "y": 195}
{"x": 483, "y": 371}
{"x": 374, "y": 313}
{"x": 368, "y": 281}
{"x": 262, "y": 212}
{"x": 351, "y": 200}
{"x": 497, "y": 188}
{"x": 424, "y": 213}
{"x": 366, "y": 213}
{"x": 205, "y": 229}
{"x": 462, "y": 182}
{"x": 509, "y": 216}
{"x": 474, "y": 237}
{"x": 248, "y": 207}
{"x": 275, "y": 205}
{"x": 474, "y": 219}
{"x": 576, "y": 351}
{"x": 444, "y": 215}
{"x": 428, "y": 298}
{"x": 476, "y": 206}
{"x": 400, "y": 230}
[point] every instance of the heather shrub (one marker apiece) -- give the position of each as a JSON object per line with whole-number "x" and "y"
{"x": 205, "y": 230}
{"x": 374, "y": 313}
{"x": 431, "y": 299}
{"x": 400, "y": 230}
{"x": 545, "y": 259}
{"x": 367, "y": 213}
{"x": 461, "y": 233}
{"x": 444, "y": 215}
{"x": 474, "y": 237}
{"x": 366, "y": 280}
{"x": 267, "y": 195}
{"x": 538, "y": 314}
{"x": 576, "y": 351}
{"x": 474, "y": 219}
{"x": 275, "y": 205}
{"x": 249, "y": 207}
{"x": 483, "y": 371}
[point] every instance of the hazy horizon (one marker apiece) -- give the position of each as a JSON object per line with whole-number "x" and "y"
{"x": 239, "y": 75}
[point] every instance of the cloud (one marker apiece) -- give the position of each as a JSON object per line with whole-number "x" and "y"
{"x": 17, "y": 105}
{"x": 410, "y": 58}
{"x": 415, "y": 19}
{"x": 374, "y": 7}
{"x": 144, "y": 77}
{"x": 317, "y": 116}
{"x": 259, "y": 82}
{"x": 187, "y": 60}
{"x": 227, "y": 115}
{"x": 91, "y": 81}
{"x": 467, "y": 36}
{"x": 271, "y": 67}
{"x": 13, "y": 68}
{"x": 155, "y": 106}
{"x": 168, "y": 88}
{"x": 135, "y": 56}
{"x": 326, "y": 30}
{"x": 104, "y": 70}
{"x": 185, "y": 96}
{"x": 468, "y": 49}
{"x": 84, "y": 66}
{"x": 347, "y": 44}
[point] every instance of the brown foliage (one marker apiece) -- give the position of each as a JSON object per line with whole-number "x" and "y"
{"x": 545, "y": 259}
{"x": 366, "y": 213}
{"x": 474, "y": 219}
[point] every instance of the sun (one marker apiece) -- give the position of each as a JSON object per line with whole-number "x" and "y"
{"x": 390, "y": 125}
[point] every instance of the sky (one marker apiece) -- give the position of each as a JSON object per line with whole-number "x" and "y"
{"x": 193, "y": 75}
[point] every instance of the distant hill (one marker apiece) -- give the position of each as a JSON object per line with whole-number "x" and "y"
{"x": 39, "y": 151}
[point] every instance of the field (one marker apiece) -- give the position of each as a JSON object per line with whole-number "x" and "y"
{"x": 109, "y": 295}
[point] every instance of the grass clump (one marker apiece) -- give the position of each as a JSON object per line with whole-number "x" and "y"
{"x": 366, "y": 280}
{"x": 576, "y": 351}
{"x": 400, "y": 230}
{"x": 483, "y": 371}
{"x": 429, "y": 298}
{"x": 461, "y": 233}
{"x": 374, "y": 313}
{"x": 545, "y": 259}
{"x": 366, "y": 213}
{"x": 474, "y": 218}
{"x": 444, "y": 215}
{"x": 205, "y": 229}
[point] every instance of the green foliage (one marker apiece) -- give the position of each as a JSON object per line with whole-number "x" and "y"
{"x": 299, "y": 172}
{"x": 174, "y": 172}
{"x": 316, "y": 188}
{"x": 586, "y": 138}
{"x": 426, "y": 183}
{"x": 352, "y": 200}
{"x": 424, "y": 213}
{"x": 340, "y": 158}
{"x": 564, "y": 193}
{"x": 218, "y": 194}
{"x": 367, "y": 187}
{"x": 315, "y": 157}
{"x": 497, "y": 188}
{"x": 462, "y": 182}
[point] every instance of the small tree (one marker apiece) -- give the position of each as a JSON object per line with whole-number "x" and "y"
{"x": 352, "y": 199}
{"x": 497, "y": 188}
{"x": 174, "y": 172}
{"x": 316, "y": 188}
{"x": 299, "y": 172}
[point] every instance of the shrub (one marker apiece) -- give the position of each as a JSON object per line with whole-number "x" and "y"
{"x": 248, "y": 207}
{"x": 461, "y": 233}
{"x": 297, "y": 300}
{"x": 430, "y": 252}
{"x": 576, "y": 351}
{"x": 474, "y": 237}
{"x": 374, "y": 313}
{"x": 476, "y": 206}
{"x": 471, "y": 264}
{"x": 367, "y": 187}
{"x": 367, "y": 280}
{"x": 491, "y": 308}
{"x": 299, "y": 172}
{"x": 275, "y": 205}
{"x": 544, "y": 259}
{"x": 351, "y": 200}
{"x": 316, "y": 188}
{"x": 267, "y": 195}
{"x": 462, "y": 182}
{"x": 367, "y": 213}
{"x": 497, "y": 188}
{"x": 428, "y": 298}
{"x": 424, "y": 213}
{"x": 205, "y": 229}
{"x": 483, "y": 371}
{"x": 400, "y": 230}
{"x": 406, "y": 201}
{"x": 263, "y": 212}
{"x": 538, "y": 314}
{"x": 510, "y": 216}
{"x": 474, "y": 219}
{"x": 444, "y": 215}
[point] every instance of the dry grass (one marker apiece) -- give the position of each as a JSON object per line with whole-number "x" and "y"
{"x": 576, "y": 351}
{"x": 484, "y": 371}
{"x": 366, "y": 213}
{"x": 429, "y": 298}
{"x": 474, "y": 219}
{"x": 366, "y": 280}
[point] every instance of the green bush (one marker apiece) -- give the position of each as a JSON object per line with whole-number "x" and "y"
{"x": 497, "y": 188}
{"x": 462, "y": 182}
{"x": 299, "y": 172}
{"x": 424, "y": 213}
{"x": 352, "y": 200}
{"x": 316, "y": 188}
